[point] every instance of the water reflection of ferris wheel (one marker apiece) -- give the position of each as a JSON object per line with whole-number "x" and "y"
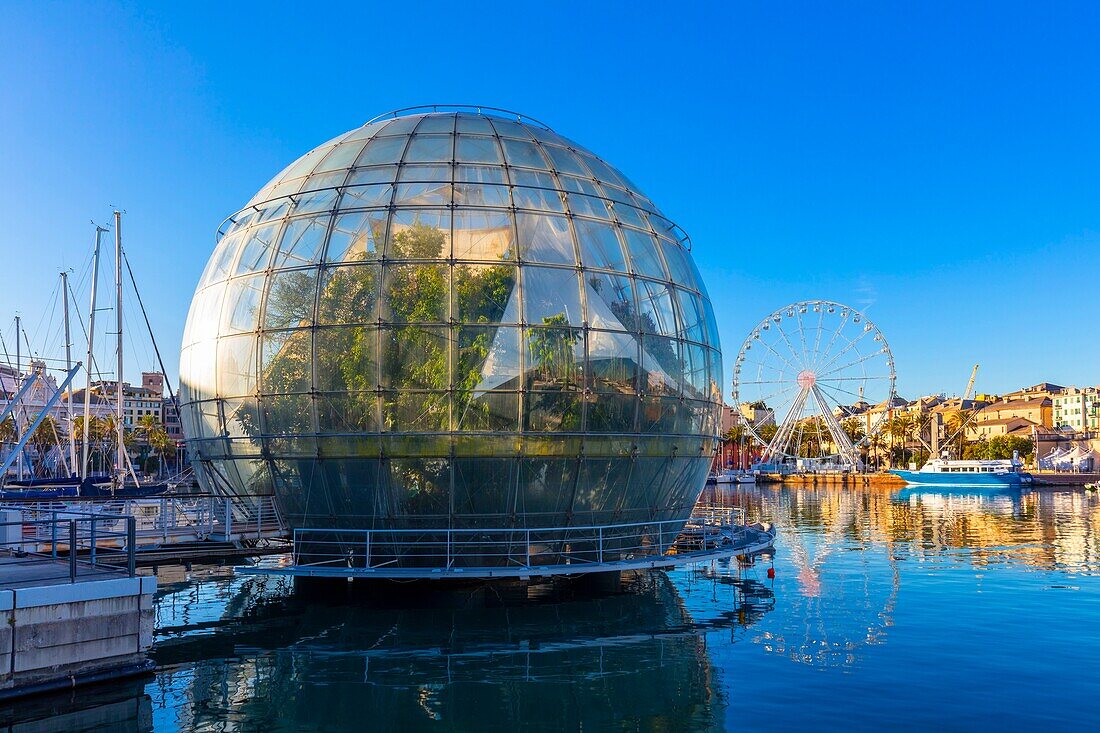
{"x": 831, "y": 616}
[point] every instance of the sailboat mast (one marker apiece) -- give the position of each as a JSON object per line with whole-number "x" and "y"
{"x": 91, "y": 338}
{"x": 69, "y": 368}
{"x": 18, "y": 376}
{"x": 120, "y": 459}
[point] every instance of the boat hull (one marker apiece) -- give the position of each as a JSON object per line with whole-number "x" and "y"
{"x": 969, "y": 480}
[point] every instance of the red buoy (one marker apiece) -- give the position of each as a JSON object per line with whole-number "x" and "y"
{"x": 771, "y": 572}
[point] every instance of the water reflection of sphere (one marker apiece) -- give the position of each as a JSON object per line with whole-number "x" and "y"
{"x": 452, "y": 319}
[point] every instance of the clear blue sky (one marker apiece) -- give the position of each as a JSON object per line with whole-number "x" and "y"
{"x": 936, "y": 164}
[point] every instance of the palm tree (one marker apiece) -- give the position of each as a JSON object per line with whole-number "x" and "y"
{"x": 957, "y": 421}
{"x": 901, "y": 428}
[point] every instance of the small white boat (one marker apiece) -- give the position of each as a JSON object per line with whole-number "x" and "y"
{"x": 732, "y": 476}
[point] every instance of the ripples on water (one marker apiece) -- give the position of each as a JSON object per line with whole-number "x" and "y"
{"x": 902, "y": 611}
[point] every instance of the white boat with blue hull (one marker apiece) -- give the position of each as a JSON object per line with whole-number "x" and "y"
{"x": 945, "y": 472}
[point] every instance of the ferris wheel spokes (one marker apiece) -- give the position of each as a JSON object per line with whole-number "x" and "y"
{"x": 803, "y": 383}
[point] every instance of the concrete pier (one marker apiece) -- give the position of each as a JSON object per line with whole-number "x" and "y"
{"x": 62, "y": 635}
{"x": 66, "y": 618}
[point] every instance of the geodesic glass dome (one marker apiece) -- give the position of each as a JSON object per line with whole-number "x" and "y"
{"x": 456, "y": 319}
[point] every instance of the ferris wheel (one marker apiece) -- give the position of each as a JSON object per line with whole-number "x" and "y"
{"x": 807, "y": 379}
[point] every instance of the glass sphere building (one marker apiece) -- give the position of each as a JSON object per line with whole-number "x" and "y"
{"x": 453, "y": 319}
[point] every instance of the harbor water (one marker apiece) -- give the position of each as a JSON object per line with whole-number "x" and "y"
{"x": 903, "y": 610}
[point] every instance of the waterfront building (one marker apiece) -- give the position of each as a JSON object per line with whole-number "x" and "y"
{"x": 453, "y": 320}
{"x": 137, "y": 402}
{"x": 985, "y": 429}
{"x": 1035, "y": 408}
{"x": 1077, "y": 409}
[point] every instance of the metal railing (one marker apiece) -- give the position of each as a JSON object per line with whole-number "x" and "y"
{"x": 446, "y": 548}
{"x": 165, "y": 520}
{"x": 39, "y": 545}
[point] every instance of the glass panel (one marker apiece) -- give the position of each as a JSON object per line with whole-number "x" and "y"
{"x": 477, "y": 149}
{"x": 437, "y": 123}
{"x": 237, "y": 365}
{"x": 322, "y": 192}
{"x": 416, "y": 412}
{"x": 587, "y": 206}
{"x": 348, "y": 294}
{"x": 422, "y": 194}
{"x": 691, "y": 313}
{"x": 362, "y": 197}
{"x": 205, "y": 318}
{"x": 286, "y": 361}
{"x": 357, "y": 237}
{"x": 717, "y": 377}
{"x": 579, "y": 185}
{"x": 479, "y": 174}
{"x": 257, "y": 250}
{"x": 611, "y": 302}
{"x": 210, "y": 421}
{"x": 564, "y": 161}
{"x": 473, "y": 194}
{"x": 222, "y": 260}
{"x": 644, "y": 257}
{"x": 661, "y": 366}
{"x": 558, "y": 411}
{"x": 347, "y": 358}
{"x": 711, "y": 324}
{"x": 523, "y": 153}
{"x": 425, "y": 173}
{"x": 630, "y": 215}
{"x": 375, "y": 174}
{"x": 429, "y": 149}
{"x": 551, "y": 297}
{"x": 483, "y": 235}
{"x": 655, "y": 306}
{"x": 538, "y": 190}
{"x": 484, "y": 292}
{"x": 602, "y": 171}
{"x": 660, "y": 415}
{"x": 382, "y": 150}
{"x": 599, "y": 245}
{"x": 695, "y": 371}
{"x": 305, "y": 164}
{"x": 415, "y": 293}
{"x": 546, "y": 239}
{"x": 302, "y": 242}
{"x": 678, "y": 268}
{"x": 342, "y": 156}
{"x": 553, "y": 358}
{"x": 415, "y": 357}
{"x": 612, "y": 413}
{"x": 419, "y": 235}
{"x": 201, "y": 360}
{"x": 354, "y": 412}
{"x": 290, "y": 299}
{"x": 537, "y": 199}
{"x": 478, "y": 125}
{"x": 275, "y": 209}
{"x": 364, "y": 132}
{"x": 612, "y": 361}
{"x": 399, "y": 125}
{"x": 286, "y": 414}
{"x": 510, "y": 128}
{"x": 242, "y": 303}
{"x": 487, "y": 358}
{"x": 496, "y": 411}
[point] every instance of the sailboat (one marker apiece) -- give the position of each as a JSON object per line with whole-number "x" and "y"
{"x": 122, "y": 481}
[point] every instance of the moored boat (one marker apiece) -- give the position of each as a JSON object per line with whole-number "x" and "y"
{"x": 967, "y": 473}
